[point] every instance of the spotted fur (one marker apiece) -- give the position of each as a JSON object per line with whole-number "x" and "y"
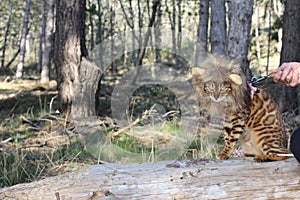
{"x": 223, "y": 90}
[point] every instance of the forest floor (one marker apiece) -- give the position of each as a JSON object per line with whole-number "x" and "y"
{"x": 35, "y": 140}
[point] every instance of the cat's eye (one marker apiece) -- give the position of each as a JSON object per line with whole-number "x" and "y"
{"x": 210, "y": 87}
{"x": 223, "y": 88}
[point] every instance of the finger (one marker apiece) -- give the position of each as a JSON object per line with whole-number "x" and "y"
{"x": 281, "y": 67}
{"x": 276, "y": 70}
{"x": 295, "y": 78}
{"x": 276, "y": 76}
{"x": 286, "y": 71}
{"x": 289, "y": 77}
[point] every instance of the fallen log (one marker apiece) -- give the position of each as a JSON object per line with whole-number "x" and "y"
{"x": 188, "y": 179}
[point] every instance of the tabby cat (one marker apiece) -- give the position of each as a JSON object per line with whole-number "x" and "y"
{"x": 251, "y": 116}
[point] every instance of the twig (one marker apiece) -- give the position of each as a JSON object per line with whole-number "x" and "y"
{"x": 138, "y": 120}
{"x": 7, "y": 140}
{"x": 25, "y": 120}
{"x": 51, "y": 103}
{"x": 57, "y": 196}
{"x": 117, "y": 133}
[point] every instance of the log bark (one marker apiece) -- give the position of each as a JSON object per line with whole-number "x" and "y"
{"x": 189, "y": 179}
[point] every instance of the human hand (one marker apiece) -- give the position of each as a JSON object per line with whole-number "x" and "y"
{"x": 287, "y": 73}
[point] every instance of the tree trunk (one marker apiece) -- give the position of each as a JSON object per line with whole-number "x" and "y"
{"x": 238, "y": 40}
{"x": 288, "y": 100}
{"x": 42, "y": 36}
{"x": 278, "y": 10}
{"x": 180, "y": 180}
{"x": 19, "y": 72}
{"x": 47, "y": 53}
{"x": 112, "y": 33}
{"x": 99, "y": 23}
{"x": 172, "y": 20}
{"x": 12, "y": 59}
{"x": 133, "y": 53}
{"x": 269, "y": 10}
{"x": 146, "y": 37}
{"x": 157, "y": 34}
{"x": 202, "y": 32}
{"x": 91, "y": 23}
{"x": 6, "y": 34}
{"x": 140, "y": 25}
{"x": 179, "y": 30}
{"x": 218, "y": 27}
{"x": 77, "y": 77}
{"x": 257, "y": 24}
{"x": 291, "y": 28}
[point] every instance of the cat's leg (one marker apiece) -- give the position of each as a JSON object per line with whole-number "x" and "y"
{"x": 246, "y": 139}
{"x": 233, "y": 128}
{"x": 270, "y": 157}
{"x": 270, "y": 150}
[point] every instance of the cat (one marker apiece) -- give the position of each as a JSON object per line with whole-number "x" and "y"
{"x": 250, "y": 114}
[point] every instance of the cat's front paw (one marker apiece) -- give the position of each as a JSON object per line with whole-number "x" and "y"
{"x": 222, "y": 156}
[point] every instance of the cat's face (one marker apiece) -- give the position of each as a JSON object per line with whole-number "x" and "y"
{"x": 221, "y": 83}
{"x": 217, "y": 92}
{"x": 217, "y": 89}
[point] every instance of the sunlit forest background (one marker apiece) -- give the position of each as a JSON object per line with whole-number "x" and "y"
{"x": 44, "y": 128}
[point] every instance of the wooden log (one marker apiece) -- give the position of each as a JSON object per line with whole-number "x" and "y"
{"x": 189, "y": 179}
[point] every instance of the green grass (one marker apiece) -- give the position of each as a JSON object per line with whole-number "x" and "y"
{"x": 33, "y": 144}
{"x": 161, "y": 141}
{"x": 19, "y": 165}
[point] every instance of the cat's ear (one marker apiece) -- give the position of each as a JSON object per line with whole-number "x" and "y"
{"x": 197, "y": 72}
{"x": 236, "y": 79}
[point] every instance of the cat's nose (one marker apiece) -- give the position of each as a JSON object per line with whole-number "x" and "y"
{"x": 216, "y": 96}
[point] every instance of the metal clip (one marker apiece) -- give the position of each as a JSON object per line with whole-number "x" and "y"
{"x": 256, "y": 80}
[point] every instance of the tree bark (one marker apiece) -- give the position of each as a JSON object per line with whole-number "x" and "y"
{"x": 19, "y": 72}
{"x": 133, "y": 53}
{"x": 91, "y": 24}
{"x": 202, "y": 32}
{"x": 179, "y": 30}
{"x": 157, "y": 34}
{"x": 218, "y": 27}
{"x": 291, "y": 36}
{"x": 189, "y": 179}
{"x": 238, "y": 40}
{"x": 172, "y": 19}
{"x": 12, "y": 59}
{"x": 77, "y": 77}
{"x": 42, "y": 36}
{"x": 6, "y": 34}
{"x": 288, "y": 100}
{"x": 47, "y": 52}
{"x": 99, "y": 24}
{"x": 257, "y": 27}
{"x": 113, "y": 68}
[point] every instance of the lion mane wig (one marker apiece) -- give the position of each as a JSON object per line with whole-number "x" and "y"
{"x": 220, "y": 70}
